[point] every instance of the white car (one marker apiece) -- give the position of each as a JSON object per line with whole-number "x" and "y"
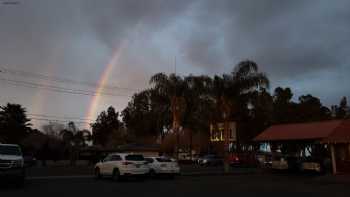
{"x": 11, "y": 162}
{"x": 163, "y": 165}
{"x": 119, "y": 165}
{"x": 311, "y": 166}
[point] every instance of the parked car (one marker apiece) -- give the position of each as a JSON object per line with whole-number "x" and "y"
{"x": 119, "y": 165}
{"x": 234, "y": 160}
{"x": 264, "y": 159}
{"x": 279, "y": 162}
{"x": 243, "y": 159}
{"x": 12, "y": 162}
{"x": 314, "y": 165}
{"x": 162, "y": 166}
{"x": 29, "y": 160}
{"x": 210, "y": 160}
{"x": 285, "y": 162}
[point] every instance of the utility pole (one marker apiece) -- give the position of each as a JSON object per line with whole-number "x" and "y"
{"x": 226, "y": 109}
{"x": 175, "y": 65}
{"x": 176, "y": 122}
{"x": 176, "y": 119}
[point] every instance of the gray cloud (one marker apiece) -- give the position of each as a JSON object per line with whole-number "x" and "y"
{"x": 297, "y": 43}
{"x": 286, "y": 38}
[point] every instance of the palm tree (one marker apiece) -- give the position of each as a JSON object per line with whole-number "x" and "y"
{"x": 81, "y": 137}
{"x": 172, "y": 88}
{"x": 199, "y": 106}
{"x": 231, "y": 92}
{"x": 67, "y": 137}
{"x": 74, "y": 139}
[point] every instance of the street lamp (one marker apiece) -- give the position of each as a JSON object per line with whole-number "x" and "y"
{"x": 226, "y": 136}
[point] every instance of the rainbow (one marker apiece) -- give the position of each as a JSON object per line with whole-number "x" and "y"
{"x": 101, "y": 84}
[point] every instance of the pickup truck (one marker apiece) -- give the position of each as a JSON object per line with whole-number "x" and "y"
{"x": 11, "y": 163}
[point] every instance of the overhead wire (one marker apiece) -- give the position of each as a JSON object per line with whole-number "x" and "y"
{"x": 60, "y": 79}
{"x": 58, "y": 89}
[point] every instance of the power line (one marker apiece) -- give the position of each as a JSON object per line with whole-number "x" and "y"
{"x": 62, "y": 121}
{"x": 59, "y": 79}
{"x": 57, "y": 88}
{"x": 60, "y": 117}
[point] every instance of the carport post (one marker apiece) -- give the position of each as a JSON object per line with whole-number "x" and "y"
{"x": 334, "y": 162}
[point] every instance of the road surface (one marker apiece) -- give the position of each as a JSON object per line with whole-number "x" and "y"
{"x": 213, "y": 186}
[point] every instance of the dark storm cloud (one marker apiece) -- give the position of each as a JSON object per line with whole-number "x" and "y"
{"x": 113, "y": 20}
{"x": 298, "y": 43}
{"x": 285, "y": 37}
{"x": 77, "y": 37}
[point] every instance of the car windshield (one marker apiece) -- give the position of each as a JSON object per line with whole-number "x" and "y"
{"x": 149, "y": 160}
{"x": 134, "y": 158}
{"x": 163, "y": 160}
{"x": 10, "y": 150}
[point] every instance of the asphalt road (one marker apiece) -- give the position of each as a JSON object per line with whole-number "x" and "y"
{"x": 88, "y": 170}
{"x": 243, "y": 185}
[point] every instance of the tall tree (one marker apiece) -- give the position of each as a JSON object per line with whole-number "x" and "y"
{"x": 14, "y": 124}
{"x": 343, "y": 109}
{"x": 53, "y": 129}
{"x": 261, "y": 112}
{"x": 310, "y": 108}
{"x": 199, "y": 107}
{"x": 235, "y": 90}
{"x": 284, "y": 108}
{"x": 172, "y": 88}
{"x": 107, "y": 122}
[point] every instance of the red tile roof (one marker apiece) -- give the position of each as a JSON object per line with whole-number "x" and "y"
{"x": 341, "y": 134}
{"x": 327, "y": 131}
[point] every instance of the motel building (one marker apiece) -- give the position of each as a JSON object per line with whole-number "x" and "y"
{"x": 217, "y": 137}
{"x": 326, "y": 140}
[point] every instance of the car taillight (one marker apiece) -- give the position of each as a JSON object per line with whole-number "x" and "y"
{"x": 126, "y": 163}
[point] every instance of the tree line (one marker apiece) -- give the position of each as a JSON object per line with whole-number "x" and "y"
{"x": 200, "y": 100}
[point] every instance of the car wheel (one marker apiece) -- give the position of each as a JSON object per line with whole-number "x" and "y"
{"x": 116, "y": 175}
{"x": 152, "y": 173}
{"x": 97, "y": 173}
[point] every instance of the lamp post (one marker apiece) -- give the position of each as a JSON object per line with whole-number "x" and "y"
{"x": 226, "y": 109}
{"x": 226, "y": 143}
{"x": 176, "y": 122}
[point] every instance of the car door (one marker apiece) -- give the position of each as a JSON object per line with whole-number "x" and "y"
{"x": 114, "y": 162}
{"x": 104, "y": 165}
{"x": 151, "y": 163}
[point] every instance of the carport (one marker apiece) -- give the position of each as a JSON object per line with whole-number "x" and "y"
{"x": 335, "y": 134}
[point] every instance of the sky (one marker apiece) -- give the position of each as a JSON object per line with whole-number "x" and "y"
{"x": 115, "y": 46}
